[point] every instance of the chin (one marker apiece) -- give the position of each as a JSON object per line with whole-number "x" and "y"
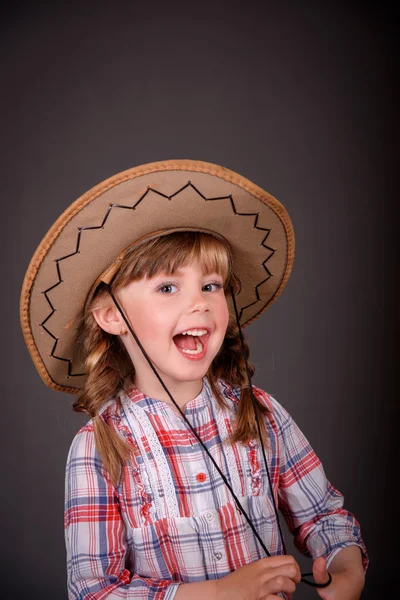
{"x": 192, "y": 374}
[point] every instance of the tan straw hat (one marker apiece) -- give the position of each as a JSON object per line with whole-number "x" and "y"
{"x": 86, "y": 243}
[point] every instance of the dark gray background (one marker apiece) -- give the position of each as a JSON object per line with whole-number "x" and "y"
{"x": 298, "y": 98}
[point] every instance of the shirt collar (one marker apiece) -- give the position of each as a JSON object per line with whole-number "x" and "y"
{"x": 154, "y": 405}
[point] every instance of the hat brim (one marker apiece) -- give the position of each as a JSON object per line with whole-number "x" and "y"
{"x": 91, "y": 234}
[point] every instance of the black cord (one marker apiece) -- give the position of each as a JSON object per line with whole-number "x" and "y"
{"x": 239, "y": 506}
{"x": 303, "y": 575}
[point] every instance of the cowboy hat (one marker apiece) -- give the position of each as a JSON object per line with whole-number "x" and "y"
{"x": 87, "y": 242}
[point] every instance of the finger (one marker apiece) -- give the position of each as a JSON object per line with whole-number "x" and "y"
{"x": 292, "y": 571}
{"x": 279, "y": 584}
{"x": 280, "y": 558}
{"x": 319, "y": 570}
{"x": 276, "y": 561}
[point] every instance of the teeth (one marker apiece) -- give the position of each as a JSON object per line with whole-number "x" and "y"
{"x": 199, "y": 348}
{"x": 196, "y": 332}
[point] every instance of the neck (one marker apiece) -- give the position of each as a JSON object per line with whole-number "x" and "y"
{"x": 182, "y": 392}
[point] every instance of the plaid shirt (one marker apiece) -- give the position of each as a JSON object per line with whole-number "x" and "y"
{"x": 171, "y": 519}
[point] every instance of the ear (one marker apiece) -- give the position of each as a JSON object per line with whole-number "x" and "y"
{"x": 109, "y": 319}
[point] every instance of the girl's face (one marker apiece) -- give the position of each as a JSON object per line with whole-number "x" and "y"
{"x": 180, "y": 320}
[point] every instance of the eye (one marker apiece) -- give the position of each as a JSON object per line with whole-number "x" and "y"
{"x": 212, "y": 287}
{"x": 167, "y": 288}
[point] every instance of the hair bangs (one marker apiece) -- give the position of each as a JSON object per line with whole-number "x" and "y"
{"x": 168, "y": 253}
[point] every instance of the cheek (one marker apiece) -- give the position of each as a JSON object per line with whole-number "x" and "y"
{"x": 223, "y": 315}
{"x": 149, "y": 321}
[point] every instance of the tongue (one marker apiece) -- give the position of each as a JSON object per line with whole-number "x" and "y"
{"x": 185, "y": 342}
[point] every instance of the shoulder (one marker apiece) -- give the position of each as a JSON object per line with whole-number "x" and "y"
{"x": 276, "y": 412}
{"x": 233, "y": 393}
{"x": 82, "y": 447}
{"x": 277, "y": 418}
{"x": 276, "y": 409}
{"x": 83, "y": 444}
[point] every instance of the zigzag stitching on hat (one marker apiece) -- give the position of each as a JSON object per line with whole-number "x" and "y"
{"x": 133, "y": 207}
{"x": 255, "y": 226}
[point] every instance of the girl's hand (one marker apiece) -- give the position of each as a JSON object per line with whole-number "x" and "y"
{"x": 260, "y": 580}
{"x": 345, "y": 585}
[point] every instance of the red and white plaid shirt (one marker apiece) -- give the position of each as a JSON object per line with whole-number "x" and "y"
{"x": 171, "y": 519}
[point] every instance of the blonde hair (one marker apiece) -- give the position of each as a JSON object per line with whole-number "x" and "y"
{"x": 109, "y": 367}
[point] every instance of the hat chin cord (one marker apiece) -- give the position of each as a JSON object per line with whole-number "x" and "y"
{"x": 239, "y": 506}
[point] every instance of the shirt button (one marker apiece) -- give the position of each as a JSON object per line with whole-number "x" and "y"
{"x": 201, "y": 477}
{"x": 209, "y": 516}
{"x": 217, "y": 555}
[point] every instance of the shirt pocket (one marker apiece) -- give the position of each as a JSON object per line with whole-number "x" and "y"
{"x": 206, "y": 546}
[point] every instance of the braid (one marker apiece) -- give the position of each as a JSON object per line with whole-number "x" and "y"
{"x": 105, "y": 378}
{"x": 230, "y": 365}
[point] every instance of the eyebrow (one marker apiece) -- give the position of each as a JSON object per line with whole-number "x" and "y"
{"x": 179, "y": 273}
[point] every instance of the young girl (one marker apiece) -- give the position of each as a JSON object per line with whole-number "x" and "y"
{"x": 135, "y": 300}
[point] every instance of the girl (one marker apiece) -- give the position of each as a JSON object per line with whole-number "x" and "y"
{"x": 135, "y": 300}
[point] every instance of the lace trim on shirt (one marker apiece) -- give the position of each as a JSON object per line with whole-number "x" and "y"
{"x": 228, "y": 451}
{"x": 249, "y": 451}
{"x": 142, "y": 427}
{"x": 255, "y": 467}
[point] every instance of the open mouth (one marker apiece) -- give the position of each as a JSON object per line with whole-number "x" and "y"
{"x": 192, "y": 343}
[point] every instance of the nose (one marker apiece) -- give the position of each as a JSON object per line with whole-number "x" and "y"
{"x": 198, "y": 302}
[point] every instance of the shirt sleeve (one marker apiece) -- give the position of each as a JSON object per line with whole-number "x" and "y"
{"x": 95, "y": 534}
{"x": 311, "y": 506}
